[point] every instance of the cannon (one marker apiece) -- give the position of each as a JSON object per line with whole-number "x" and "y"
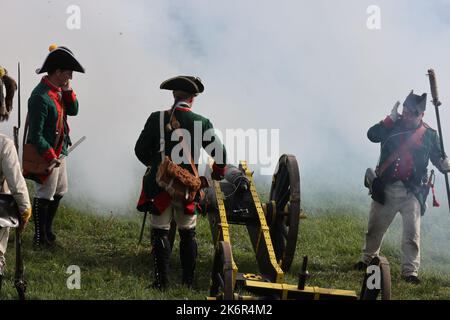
{"x": 273, "y": 229}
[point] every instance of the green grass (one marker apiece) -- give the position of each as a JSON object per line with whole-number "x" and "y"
{"x": 113, "y": 266}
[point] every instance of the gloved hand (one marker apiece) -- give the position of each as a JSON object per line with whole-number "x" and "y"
{"x": 394, "y": 112}
{"x": 445, "y": 165}
{"x": 25, "y": 217}
{"x": 57, "y": 162}
{"x": 66, "y": 86}
{"x": 218, "y": 172}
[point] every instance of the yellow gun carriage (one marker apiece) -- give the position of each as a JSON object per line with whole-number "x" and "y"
{"x": 273, "y": 230}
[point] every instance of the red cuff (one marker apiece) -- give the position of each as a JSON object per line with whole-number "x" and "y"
{"x": 189, "y": 208}
{"x": 219, "y": 170}
{"x": 69, "y": 96}
{"x": 49, "y": 155}
{"x": 388, "y": 123}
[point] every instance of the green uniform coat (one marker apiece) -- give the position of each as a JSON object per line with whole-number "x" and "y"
{"x": 148, "y": 146}
{"x": 46, "y": 105}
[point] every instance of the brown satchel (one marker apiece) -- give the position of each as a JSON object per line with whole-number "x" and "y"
{"x": 179, "y": 183}
{"x": 32, "y": 161}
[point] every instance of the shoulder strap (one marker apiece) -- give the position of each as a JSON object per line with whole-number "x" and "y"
{"x": 162, "y": 143}
{"x": 416, "y": 136}
{"x": 188, "y": 150}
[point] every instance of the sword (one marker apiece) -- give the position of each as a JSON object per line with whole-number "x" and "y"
{"x": 76, "y": 144}
{"x": 142, "y": 228}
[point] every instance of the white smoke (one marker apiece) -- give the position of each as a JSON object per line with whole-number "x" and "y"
{"x": 311, "y": 69}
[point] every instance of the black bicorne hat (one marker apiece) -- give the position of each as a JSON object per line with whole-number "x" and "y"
{"x": 415, "y": 102}
{"x": 60, "y": 58}
{"x": 184, "y": 83}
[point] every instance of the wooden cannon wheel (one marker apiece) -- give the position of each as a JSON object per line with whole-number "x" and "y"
{"x": 222, "y": 274}
{"x": 285, "y": 193}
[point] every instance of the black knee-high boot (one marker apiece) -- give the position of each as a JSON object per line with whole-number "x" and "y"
{"x": 40, "y": 209}
{"x": 52, "y": 209}
{"x": 161, "y": 257}
{"x": 188, "y": 255}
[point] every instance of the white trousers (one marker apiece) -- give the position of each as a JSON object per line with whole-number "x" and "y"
{"x": 398, "y": 199}
{"x": 4, "y": 235}
{"x": 56, "y": 184}
{"x": 174, "y": 211}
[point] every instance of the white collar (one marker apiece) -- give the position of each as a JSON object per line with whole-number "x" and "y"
{"x": 182, "y": 104}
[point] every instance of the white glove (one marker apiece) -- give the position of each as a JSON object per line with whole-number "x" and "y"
{"x": 394, "y": 113}
{"x": 445, "y": 165}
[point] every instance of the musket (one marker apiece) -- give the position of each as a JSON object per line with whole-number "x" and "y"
{"x": 16, "y": 129}
{"x": 437, "y": 103}
{"x": 19, "y": 277}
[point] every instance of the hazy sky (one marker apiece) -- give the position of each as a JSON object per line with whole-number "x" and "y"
{"x": 311, "y": 69}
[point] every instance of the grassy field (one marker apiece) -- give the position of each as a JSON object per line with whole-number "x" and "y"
{"x": 113, "y": 266}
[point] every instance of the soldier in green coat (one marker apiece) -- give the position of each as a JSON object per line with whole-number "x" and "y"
{"x": 50, "y": 103}
{"x": 407, "y": 146}
{"x": 198, "y": 133}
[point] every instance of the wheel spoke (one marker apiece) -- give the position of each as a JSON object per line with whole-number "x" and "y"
{"x": 284, "y": 231}
{"x": 282, "y": 183}
{"x": 283, "y": 200}
{"x": 220, "y": 281}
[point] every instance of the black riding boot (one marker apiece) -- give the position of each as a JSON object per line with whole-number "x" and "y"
{"x": 52, "y": 209}
{"x": 161, "y": 257}
{"x": 188, "y": 255}
{"x": 40, "y": 209}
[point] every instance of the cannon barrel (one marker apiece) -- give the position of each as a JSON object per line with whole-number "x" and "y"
{"x": 237, "y": 178}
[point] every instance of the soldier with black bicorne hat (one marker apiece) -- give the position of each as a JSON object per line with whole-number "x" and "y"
{"x": 48, "y": 107}
{"x": 11, "y": 179}
{"x": 402, "y": 183}
{"x": 155, "y": 199}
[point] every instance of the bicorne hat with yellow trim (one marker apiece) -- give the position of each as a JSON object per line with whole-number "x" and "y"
{"x": 60, "y": 58}
{"x": 187, "y": 84}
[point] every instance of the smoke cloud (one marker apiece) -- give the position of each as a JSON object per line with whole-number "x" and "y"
{"x": 313, "y": 70}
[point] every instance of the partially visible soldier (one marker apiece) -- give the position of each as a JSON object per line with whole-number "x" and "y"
{"x": 407, "y": 145}
{"x": 11, "y": 179}
{"x": 50, "y": 103}
{"x": 155, "y": 199}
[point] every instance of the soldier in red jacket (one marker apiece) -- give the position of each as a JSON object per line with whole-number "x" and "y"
{"x": 407, "y": 146}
